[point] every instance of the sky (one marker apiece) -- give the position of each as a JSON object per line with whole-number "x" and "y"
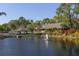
{"x": 34, "y": 11}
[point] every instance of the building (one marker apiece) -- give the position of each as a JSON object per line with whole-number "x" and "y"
{"x": 51, "y": 26}
{"x": 48, "y": 26}
{"x": 21, "y": 30}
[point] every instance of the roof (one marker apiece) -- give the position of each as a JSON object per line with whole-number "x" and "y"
{"x": 21, "y": 29}
{"x": 50, "y": 26}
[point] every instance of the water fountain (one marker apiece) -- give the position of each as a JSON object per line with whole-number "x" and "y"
{"x": 46, "y": 40}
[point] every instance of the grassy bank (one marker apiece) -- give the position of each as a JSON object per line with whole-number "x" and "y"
{"x": 72, "y": 38}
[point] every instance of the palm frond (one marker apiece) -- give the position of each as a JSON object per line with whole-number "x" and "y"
{"x": 2, "y": 13}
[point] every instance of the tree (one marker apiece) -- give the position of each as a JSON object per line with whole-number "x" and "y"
{"x": 2, "y": 28}
{"x": 46, "y": 20}
{"x": 2, "y": 13}
{"x": 65, "y": 10}
{"x": 6, "y": 28}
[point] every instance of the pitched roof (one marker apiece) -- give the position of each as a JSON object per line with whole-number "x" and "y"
{"x": 21, "y": 29}
{"x": 52, "y": 25}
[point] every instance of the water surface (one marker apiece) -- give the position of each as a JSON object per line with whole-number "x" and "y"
{"x": 35, "y": 46}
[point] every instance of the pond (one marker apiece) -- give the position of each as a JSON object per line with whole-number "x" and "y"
{"x": 35, "y": 45}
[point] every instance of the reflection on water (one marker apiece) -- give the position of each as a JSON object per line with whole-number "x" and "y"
{"x": 46, "y": 40}
{"x": 46, "y": 43}
{"x": 67, "y": 47}
{"x": 37, "y": 45}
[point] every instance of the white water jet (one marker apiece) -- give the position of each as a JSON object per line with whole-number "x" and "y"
{"x": 46, "y": 37}
{"x": 46, "y": 40}
{"x": 46, "y": 43}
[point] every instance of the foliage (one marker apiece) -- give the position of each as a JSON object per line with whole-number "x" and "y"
{"x": 65, "y": 25}
{"x": 2, "y": 13}
{"x": 66, "y": 14}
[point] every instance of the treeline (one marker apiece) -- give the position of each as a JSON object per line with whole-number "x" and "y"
{"x": 21, "y": 22}
{"x": 67, "y": 14}
{"x": 16, "y": 24}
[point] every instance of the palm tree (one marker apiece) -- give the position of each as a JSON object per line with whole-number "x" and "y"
{"x": 2, "y": 13}
{"x": 65, "y": 10}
